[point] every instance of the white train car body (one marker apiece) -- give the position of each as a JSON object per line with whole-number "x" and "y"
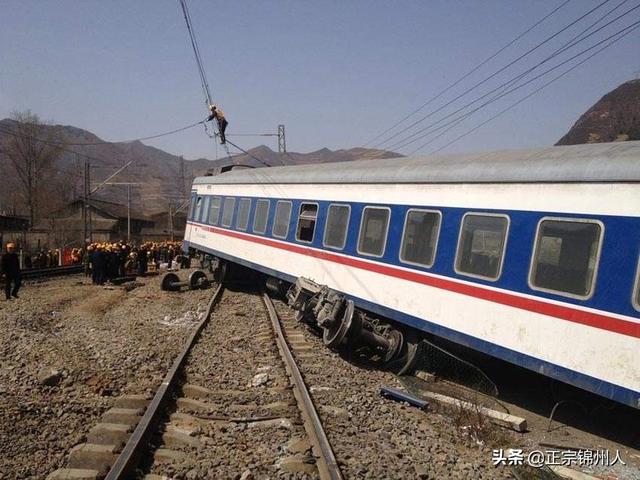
{"x": 529, "y": 256}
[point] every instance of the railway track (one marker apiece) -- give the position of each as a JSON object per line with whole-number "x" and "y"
{"x": 233, "y": 404}
{"x": 51, "y": 272}
{"x": 250, "y": 396}
{"x": 254, "y": 409}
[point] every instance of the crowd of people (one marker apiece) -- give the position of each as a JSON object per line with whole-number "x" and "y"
{"x": 102, "y": 261}
{"x": 106, "y": 261}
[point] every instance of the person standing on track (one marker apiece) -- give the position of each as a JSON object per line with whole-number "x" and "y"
{"x": 222, "y": 122}
{"x": 10, "y": 268}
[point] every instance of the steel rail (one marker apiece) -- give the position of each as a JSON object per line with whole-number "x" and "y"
{"x": 50, "y": 271}
{"x": 128, "y": 459}
{"x": 327, "y": 466}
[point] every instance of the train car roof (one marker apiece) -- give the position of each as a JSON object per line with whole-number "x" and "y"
{"x": 603, "y": 162}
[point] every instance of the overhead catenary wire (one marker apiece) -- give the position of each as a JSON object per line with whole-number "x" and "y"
{"x": 196, "y": 52}
{"x": 203, "y": 78}
{"x": 468, "y": 74}
{"x": 631, "y": 28}
{"x": 494, "y": 74}
{"x": 582, "y": 36}
{"x": 82, "y": 144}
{"x": 456, "y": 121}
{"x": 249, "y": 154}
{"x": 503, "y": 93}
{"x": 59, "y": 146}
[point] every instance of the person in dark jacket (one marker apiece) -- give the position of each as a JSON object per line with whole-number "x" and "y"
{"x": 99, "y": 266}
{"x": 10, "y": 268}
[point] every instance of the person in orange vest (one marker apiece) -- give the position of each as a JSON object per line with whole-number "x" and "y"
{"x": 222, "y": 122}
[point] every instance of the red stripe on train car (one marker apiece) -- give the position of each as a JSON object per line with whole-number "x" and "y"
{"x": 596, "y": 320}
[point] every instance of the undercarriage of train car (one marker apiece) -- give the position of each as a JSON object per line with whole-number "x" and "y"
{"x": 335, "y": 317}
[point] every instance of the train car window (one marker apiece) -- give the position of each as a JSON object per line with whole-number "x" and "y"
{"x": 214, "y": 210}
{"x": 196, "y": 215}
{"x": 227, "y": 211}
{"x": 307, "y": 222}
{"x": 565, "y": 257}
{"x": 636, "y": 289}
{"x": 481, "y": 245}
{"x": 373, "y": 231}
{"x": 261, "y": 216}
{"x": 281, "y": 220}
{"x": 420, "y": 237}
{"x": 242, "y": 221}
{"x": 192, "y": 208}
{"x": 335, "y": 231}
{"x": 205, "y": 210}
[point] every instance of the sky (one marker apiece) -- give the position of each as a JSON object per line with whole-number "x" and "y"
{"x": 335, "y": 73}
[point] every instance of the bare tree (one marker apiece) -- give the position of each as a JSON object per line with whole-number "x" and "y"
{"x": 32, "y": 153}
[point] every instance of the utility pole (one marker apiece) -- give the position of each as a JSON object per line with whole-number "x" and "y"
{"x": 282, "y": 142}
{"x": 128, "y": 185}
{"x": 171, "y": 221}
{"x": 88, "y": 202}
{"x": 182, "y": 178}
{"x": 128, "y": 213}
{"x": 85, "y": 201}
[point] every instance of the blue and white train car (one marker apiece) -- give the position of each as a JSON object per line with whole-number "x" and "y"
{"x": 530, "y": 256}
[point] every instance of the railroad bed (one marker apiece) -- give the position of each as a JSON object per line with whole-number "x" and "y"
{"x": 69, "y": 350}
{"x": 235, "y": 414}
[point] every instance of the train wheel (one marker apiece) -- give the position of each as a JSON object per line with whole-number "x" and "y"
{"x": 334, "y": 334}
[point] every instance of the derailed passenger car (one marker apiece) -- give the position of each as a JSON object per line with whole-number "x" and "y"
{"x": 529, "y": 256}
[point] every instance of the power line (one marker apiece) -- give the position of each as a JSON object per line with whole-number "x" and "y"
{"x": 251, "y": 135}
{"x": 164, "y": 134}
{"x": 486, "y": 79}
{"x": 80, "y": 144}
{"x": 469, "y": 73}
{"x": 196, "y": 52}
{"x": 635, "y": 26}
{"x": 247, "y": 153}
{"x": 569, "y": 44}
{"x": 456, "y": 121}
{"x": 29, "y": 137}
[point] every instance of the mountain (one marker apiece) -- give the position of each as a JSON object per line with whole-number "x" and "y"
{"x": 160, "y": 176}
{"x": 614, "y": 118}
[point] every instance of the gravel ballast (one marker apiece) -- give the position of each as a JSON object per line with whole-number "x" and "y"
{"x": 68, "y": 348}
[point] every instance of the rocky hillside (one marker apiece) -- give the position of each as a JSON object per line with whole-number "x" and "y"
{"x": 614, "y": 118}
{"x": 162, "y": 177}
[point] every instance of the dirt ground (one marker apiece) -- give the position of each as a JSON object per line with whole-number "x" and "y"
{"x": 67, "y": 348}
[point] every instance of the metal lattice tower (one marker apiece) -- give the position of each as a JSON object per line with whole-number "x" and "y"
{"x": 282, "y": 141}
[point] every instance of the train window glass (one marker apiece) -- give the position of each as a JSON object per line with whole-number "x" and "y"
{"x": 335, "y": 231}
{"x": 636, "y": 289}
{"x": 192, "y": 208}
{"x": 214, "y": 210}
{"x": 481, "y": 245}
{"x": 307, "y": 222}
{"x": 281, "y": 220}
{"x": 420, "y": 237}
{"x": 205, "y": 209}
{"x": 261, "y": 216}
{"x": 227, "y": 211}
{"x": 565, "y": 256}
{"x": 243, "y": 213}
{"x": 196, "y": 215}
{"x": 373, "y": 231}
